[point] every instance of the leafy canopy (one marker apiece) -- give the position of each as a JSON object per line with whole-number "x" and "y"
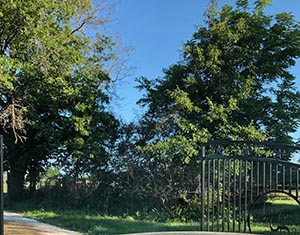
{"x": 234, "y": 82}
{"x": 53, "y": 83}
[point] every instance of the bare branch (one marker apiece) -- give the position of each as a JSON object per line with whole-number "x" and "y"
{"x": 99, "y": 14}
{"x": 79, "y": 27}
{"x": 12, "y": 117}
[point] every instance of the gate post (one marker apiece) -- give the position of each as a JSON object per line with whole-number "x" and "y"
{"x": 1, "y": 187}
{"x": 202, "y": 187}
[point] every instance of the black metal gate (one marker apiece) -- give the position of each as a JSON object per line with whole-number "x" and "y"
{"x": 235, "y": 174}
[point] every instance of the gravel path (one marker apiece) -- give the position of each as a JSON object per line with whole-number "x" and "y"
{"x": 15, "y": 224}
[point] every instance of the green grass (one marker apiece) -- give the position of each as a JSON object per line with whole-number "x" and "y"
{"x": 284, "y": 212}
{"x": 96, "y": 224}
{"x": 93, "y": 224}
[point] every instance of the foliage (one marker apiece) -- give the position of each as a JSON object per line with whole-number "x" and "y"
{"x": 53, "y": 83}
{"x": 233, "y": 82}
{"x": 50, "y": 177}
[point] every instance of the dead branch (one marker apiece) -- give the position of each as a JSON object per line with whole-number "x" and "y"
{"x": 13, "y": 117}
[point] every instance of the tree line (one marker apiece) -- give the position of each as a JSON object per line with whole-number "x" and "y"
{"x": 233, "y": 82}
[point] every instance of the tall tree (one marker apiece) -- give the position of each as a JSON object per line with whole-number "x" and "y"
{"x": 234, "y": 82}
{"x": 53, "y": 84}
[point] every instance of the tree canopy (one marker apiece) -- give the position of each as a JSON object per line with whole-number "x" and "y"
{"x": 234, "y": 82}
{"x": 53, "y": 82}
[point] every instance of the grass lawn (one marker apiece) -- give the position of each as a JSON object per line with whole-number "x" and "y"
{"x": 93, "y": 224}
{"x": 277, "y": 211}
{"x": 283, "y": 212}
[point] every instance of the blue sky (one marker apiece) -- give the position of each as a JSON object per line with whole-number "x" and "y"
{"x": 156, "y": 30}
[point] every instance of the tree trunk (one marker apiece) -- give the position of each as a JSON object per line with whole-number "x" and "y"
{"x": 15, "y": 185}
{"x": 32, "y": 186}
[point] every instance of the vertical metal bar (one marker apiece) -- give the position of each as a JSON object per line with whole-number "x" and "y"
{"x": 202, "y": 193}
{"x": 213, "y": 193}
{"x": 223, "y": 197}
{"x": 297, "y": 184}
{"x": 202, "y": 188}
{"x": 234, "y": 195}
{"x": 276, "y": 178}
{"x": 283, "y": 178}
{"x": 270, "y": 176}
{"x": 251, "y": 182}
{"x": 1, "y": 187}
{"x": 203, "y": 152}
{"x": 257, "y": 179}
{"x": 291, "y": 180}
{"x": 263, "y": 184}
{"x": 208, "y": 193}
{"x": 240, "y": 194}
{"x": 264, "y": 177}
{"x": 218, "y": 195}
{"x": 228, "y": 196}
{"x": 246, "y": 199}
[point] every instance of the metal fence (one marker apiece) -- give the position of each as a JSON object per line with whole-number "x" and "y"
{"x": 235, "y": 174}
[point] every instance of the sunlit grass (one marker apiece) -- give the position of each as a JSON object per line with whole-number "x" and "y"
{"x": 94, "y": 224}
{"x": 278, "y": 210}
{"x": 90, "y": 222}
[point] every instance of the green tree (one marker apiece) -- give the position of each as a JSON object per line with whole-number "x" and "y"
{"x": 53, "y": 85}
{"x": 234, "y": 82}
